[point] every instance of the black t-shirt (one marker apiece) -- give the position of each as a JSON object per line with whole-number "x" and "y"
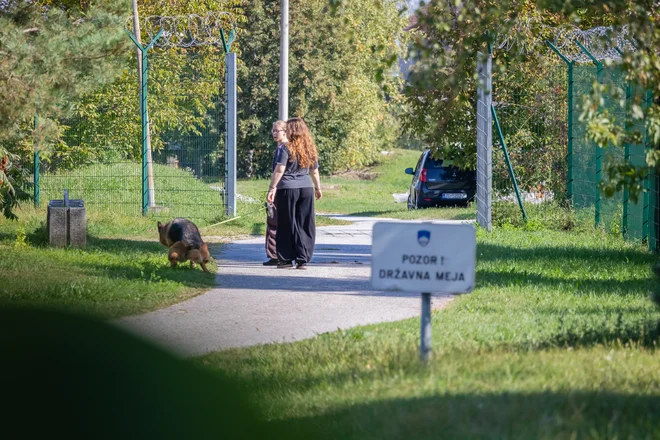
{"x": 276, "y": 155}
{"x": 294, "y": 176}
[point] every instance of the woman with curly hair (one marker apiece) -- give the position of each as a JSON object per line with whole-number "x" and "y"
{"x": 293, "y": 192}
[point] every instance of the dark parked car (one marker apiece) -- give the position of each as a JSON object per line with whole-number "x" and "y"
{"x": 435, "y": 183}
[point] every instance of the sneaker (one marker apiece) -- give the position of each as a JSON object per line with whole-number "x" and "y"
{"x": 301, "y": 264}
{"x": 284, "y": 264}
{"x": 271, "y": 262}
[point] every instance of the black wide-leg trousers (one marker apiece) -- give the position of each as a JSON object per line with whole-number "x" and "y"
{"x": 271, "y": 235}
{"x": 296, "y": 224}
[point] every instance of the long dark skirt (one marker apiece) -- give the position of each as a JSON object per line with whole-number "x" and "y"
{"x": 296, "y": 224}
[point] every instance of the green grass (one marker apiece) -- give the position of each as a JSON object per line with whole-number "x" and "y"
{"x": 111, "y": 277}
{"x": 358, "y": 194}
{"x": 117, "y": 188}
{"x": 124, "y": 269}
{"x": 558, "y": 340}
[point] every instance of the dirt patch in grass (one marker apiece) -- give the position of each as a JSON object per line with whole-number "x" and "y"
{"x": 363, "y": 174}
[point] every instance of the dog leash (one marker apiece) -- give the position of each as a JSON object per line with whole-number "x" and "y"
{"x": 234, "y": 218}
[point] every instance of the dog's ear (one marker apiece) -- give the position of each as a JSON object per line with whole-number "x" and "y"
{"x": 160, "y": 226}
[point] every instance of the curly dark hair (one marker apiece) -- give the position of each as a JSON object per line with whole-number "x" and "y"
{"x": 301, "y": 143}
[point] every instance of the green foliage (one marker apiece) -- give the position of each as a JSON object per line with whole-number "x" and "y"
{"x": 13, "y": 181}
{"x": 624, "y": 175}
{"x": 185, "y": 98}
{"x": 530, "y": 97}
{"x": 333, "y": 85}
{"x": 441, "y": 94}
{"x": 52, "y": 53}
{"x": 21, "y": 239}
{"x": 111, "y": 278}
{"x": 529, "y": 85}
{"x": 641, "y": 69}
{"x": 334, "y": 60}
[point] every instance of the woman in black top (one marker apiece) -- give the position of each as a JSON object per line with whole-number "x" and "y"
{"x": 279, "y": 136}
{"x": 294, "y": 191}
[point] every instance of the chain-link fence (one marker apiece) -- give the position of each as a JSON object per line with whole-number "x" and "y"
{"x": 532, "y": 112}
{"x": 636, "y": 218}
{"x": 539, "y": 112}
{"x": 99, "y": 157}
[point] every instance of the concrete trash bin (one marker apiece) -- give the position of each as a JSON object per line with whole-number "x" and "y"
{"x": 67, "y": 223}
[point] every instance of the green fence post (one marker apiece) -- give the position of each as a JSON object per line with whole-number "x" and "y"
{"x": 36, "y": 163}
{"x": 599, "y": 151}
{"x": 144, "y": 116}
{"x": 508, "y": 161}
{"x": 648, "y": 233}
{"x": 645, "y": 215}
{"x": 569, "y": 145}
{"x": 626, "y": 158}
{"x": 569, "y": 152}
{"x": 226, "y": 42}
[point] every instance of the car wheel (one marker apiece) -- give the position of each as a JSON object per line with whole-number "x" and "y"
{"x": 411, "y": 205}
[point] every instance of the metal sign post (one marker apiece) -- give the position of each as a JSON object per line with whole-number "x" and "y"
{"x": 425, "y": 330}
{"x": 424, "y": 257}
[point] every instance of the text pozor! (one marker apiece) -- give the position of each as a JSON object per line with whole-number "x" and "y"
{"x": 422, "y": 259}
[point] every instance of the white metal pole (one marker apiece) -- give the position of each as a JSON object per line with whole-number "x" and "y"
{"x": 230, "y": 184}
{"x": 283, "y": 113}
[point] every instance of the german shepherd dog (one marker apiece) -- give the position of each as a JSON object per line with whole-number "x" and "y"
{"x": 185, "y": 243}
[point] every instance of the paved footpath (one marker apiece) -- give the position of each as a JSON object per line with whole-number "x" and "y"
{"x": 255, "y": 304}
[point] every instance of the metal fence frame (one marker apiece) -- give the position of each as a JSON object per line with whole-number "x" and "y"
{"x": 647, "y": 228}
{"x": 484, "y": 140}
{"x": 49, "y": 184}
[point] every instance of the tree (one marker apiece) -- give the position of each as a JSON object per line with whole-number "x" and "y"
{"x": 335, "y": 57}
{"x": 440, "y": 97}
{"x": 186, "y": 93}
{"x": 333, "y": 85}
{"x": 50, "y": 54}
{"x": 94, "y": 114}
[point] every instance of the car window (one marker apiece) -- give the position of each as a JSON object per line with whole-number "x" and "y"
{"x": 419, "y": 162}
{"x": 433, "y": 163}
{"x": 443, "y": 173}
